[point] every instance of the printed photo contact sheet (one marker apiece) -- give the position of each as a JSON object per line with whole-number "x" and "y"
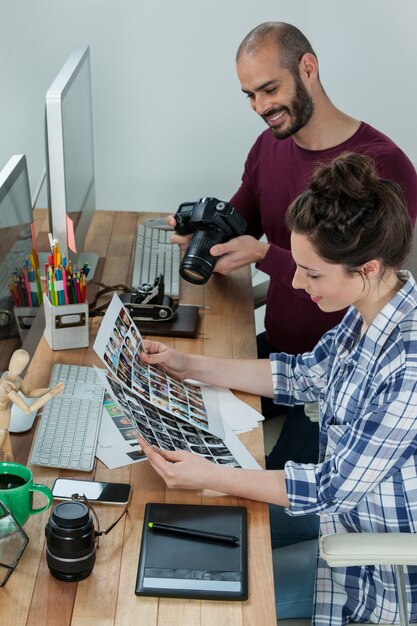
{"x": 169, "y": 413}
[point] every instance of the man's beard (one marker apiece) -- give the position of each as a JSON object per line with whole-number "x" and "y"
{"x": 301, "y": 110}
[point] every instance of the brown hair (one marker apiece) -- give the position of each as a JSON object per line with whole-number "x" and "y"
{"x": 352, "y": 216}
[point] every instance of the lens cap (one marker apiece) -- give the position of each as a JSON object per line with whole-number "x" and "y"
{"x": 70, "y": 514}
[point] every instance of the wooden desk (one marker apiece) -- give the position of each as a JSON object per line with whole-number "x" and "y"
{"x": 32, "y": 596}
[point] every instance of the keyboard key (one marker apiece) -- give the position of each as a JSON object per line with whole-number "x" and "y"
{"x": 68, "y": 430}
{"x": 154, "y": 254}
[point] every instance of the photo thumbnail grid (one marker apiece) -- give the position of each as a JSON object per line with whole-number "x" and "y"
{"x": 122, "y": 355}
{"x": 160, "y": 428}
{"x": 125, "y": 427}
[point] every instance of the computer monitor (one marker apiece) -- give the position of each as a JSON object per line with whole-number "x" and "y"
{"x": 70, "y": 156}
{"x": 15, "y": 245}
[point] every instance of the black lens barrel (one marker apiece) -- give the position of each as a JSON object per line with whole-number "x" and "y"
{"x": 198, "y": 264}
{"x": 70, "y": 542}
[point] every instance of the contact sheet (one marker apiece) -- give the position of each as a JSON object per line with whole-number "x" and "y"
{"x": 167, "y": 412}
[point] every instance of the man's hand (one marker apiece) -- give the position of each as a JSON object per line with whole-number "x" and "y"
{"x": 238, "y": 252}
{"x": 181, "y": 240}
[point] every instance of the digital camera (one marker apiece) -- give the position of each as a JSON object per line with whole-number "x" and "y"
{"x": 212, "y": 221}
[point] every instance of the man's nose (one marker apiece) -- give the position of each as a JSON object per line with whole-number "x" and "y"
{"x": 261, "y": 103}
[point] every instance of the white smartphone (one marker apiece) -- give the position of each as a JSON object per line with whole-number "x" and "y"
{"x": 95, "y": 491}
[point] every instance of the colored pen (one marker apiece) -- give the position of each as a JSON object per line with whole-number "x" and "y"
{"x": 190, "y": 532}
{"x": 65, "y": 283}
{"x": 27, "y": 285}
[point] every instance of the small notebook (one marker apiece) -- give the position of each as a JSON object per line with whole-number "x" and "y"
{"x": 191, "y": 567}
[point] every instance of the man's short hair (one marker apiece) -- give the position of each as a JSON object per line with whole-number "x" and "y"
{"x": 289, "y": 40}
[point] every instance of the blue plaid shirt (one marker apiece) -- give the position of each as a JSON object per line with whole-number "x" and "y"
{"x": 366, "y": 478}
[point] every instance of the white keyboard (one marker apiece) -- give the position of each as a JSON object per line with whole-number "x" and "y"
{"x": 68, "y": 430}
{"x": 154, "y": 254}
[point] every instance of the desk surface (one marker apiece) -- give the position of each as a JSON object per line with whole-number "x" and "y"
{"x": 32, "y": 595}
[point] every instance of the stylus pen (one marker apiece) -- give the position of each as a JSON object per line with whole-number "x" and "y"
{"x": 190, "y": 532}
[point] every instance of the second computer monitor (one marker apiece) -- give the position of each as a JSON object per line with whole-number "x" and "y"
{"x": 19, "y": 323}
{"x": 70, "y": 154}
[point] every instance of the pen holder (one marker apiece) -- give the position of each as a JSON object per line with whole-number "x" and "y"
{"x": 25, "y": 316}
{"x": 66, "y": 325}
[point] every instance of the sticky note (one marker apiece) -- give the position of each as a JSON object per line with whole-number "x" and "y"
{"x": 70, "y": 234}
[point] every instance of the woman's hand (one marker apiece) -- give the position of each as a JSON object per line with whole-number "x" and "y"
{"x": 179, "y": 469}
{"x": 174, "y": 362}
{"x": 185, "y": 470}
{"x": 249, "y": 375}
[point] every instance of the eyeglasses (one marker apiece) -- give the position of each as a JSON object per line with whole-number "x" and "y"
{"x": 13, "y": 541}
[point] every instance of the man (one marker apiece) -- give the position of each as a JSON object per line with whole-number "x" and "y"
{"x": 278, "y": 72}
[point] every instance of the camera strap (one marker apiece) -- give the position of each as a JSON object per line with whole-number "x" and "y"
{"x": 95, "y": 310}
{"x": 105, "y": 532}
{"x": 98, "y": 533}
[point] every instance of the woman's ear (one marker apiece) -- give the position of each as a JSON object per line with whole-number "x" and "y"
{"x": 371, "y": 268}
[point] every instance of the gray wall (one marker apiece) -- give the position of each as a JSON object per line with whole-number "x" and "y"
{"x": 170, "y": 121}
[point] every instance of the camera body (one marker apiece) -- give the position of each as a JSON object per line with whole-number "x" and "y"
{"x": 149, "y": 303}
{"x": 212, "y": 221}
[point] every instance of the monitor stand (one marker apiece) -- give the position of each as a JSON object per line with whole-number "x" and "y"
{"x": 91, "y": 258}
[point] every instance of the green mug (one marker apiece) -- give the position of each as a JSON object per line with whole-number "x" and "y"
{"x": 16, "y": 491}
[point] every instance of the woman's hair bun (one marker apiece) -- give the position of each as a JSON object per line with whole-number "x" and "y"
{"x": 349, "y": 175}
{"x": 351, "y": 215}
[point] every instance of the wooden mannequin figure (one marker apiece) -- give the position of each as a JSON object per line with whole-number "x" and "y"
{"x": 10, "y": 384}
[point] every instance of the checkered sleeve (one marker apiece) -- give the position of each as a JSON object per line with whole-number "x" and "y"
{"x": 362, "y": 454}
{"x": 299, "y": 379}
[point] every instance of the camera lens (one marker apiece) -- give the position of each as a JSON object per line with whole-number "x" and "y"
{"x": 198, "y": 264}
{"x": 70, "y": 542}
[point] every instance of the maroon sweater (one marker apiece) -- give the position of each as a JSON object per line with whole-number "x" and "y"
{"x": 276, "y": 172}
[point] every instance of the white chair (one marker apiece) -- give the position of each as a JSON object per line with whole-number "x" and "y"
{"x": 360, "y": 549}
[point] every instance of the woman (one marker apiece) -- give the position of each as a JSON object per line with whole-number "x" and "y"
{"x": 350, "y": 232}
